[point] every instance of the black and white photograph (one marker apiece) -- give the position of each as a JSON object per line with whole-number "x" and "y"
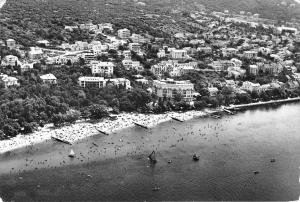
{"x": 149, "y": 100}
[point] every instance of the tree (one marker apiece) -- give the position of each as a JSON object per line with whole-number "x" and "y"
{"x": 10, "y": 131}
{"x": 243, "y": 98}
{"x": 98, "y": 111}
{"x": 30, "y": 127}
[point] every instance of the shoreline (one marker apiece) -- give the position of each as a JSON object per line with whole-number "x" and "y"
{"x": 83, "y": 129}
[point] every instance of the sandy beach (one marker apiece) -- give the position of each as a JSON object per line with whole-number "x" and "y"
{"x": 83, "y": 129}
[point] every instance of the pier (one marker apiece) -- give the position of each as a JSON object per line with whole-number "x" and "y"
{"x": 61, "y": 140}
{"x": 103, "y": 132}
{"x": 176, "y": 119}
{"x": 141, "y": 125}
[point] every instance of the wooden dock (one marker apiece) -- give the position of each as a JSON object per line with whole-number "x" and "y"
{"x": 141, "y": 125}
{"x": 176, "y": 119}
{"x": 61, "y": 140}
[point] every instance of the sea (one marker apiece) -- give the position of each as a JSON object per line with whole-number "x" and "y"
{"x": 252, "y": 155}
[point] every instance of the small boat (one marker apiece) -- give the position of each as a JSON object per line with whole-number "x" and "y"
{"x": 195, "y": 157}
{"x": 152, "y": 157}
{"x": 72, "y": 154}
{"x": 256, "y": 172}
{"x": 215, "y": 116}
{"x": 272, "y": 160}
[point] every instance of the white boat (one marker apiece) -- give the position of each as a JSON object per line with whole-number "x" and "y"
{"x": 72, "y": 154}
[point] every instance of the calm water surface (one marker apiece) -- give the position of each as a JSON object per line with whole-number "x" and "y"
{"x": 115, "y": 167}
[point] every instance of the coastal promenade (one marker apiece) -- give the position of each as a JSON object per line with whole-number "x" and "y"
{"x": 256, "y": 104}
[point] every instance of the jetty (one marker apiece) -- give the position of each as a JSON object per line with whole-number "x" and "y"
{"x": 61, "y": 140}
{"x": 141, "y": 125}
{"x": 103, "y": 132}
{"x": 176, "y": 119}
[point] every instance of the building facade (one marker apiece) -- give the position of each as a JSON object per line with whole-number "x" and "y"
{"x": 170, "y": 89}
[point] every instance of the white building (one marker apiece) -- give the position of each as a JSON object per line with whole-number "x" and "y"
{"x": 35, "y": 53}
{"x": 92, "y": 82}
{"x": 105, "y": 69}
{"x": 136, "y": 38}
{"x": 213, "y": 91}
{"x": 170, "y": 88}
{"x": 49, "y": 79}
{"x": 124, "y": 33}
{"x": 253, "y": 69}
{"x": 204, "y": 49}
{"x": 250, "y": 87}
{"x": 250, "y": 54}
{"x": 227, "y": 52}
{"x": 135, "y": 47}
{"x": 161, "y": 53}
{"x": 237, "y": 62}
{"x": 127, "y": 54}
{"x": 88, "y": 57}
{"x": 179, "y": 54}
{"x": 119, "y": 82}
{"x": 10, "y": 60}
{"x": 43, "y": 42}
{"x": 11, "y": 43}
{"x": 26, "y": 67}
{"x": 8, "y": 80}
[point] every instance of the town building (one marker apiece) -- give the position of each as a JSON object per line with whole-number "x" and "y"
{"x": 10, "y": 60}
{"x": 136, "y": 38}
{"x": 127, "y": 54}
{"x": 11, "y": 43}
{"x": 250, "y": 87}
{"x": 170, "y": 89}
{"x": 228, "y": 52}
{"x": 35, "y": 53}
{"x": 8, "y": 80}
{"x": 250, "y": 54}
{"x": 161, "y": 53}
{"x": 26, "y": 67}
{"x": 119, "y": 82}
{"x": 253, "y": 70}
{"x": 205, "y": 50}
{"x": 104, "y": 69}
{"x": 43, "y": 43}
{"x": 124, "y": 33}
{"x": 179, "y": 54}
{"x": 213, "y": 91}
{"x": 92, "y": 82}
{"x": 49, "y": 79}
{"x": 88, "y": 57}
{"x": 135, "y": 47}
